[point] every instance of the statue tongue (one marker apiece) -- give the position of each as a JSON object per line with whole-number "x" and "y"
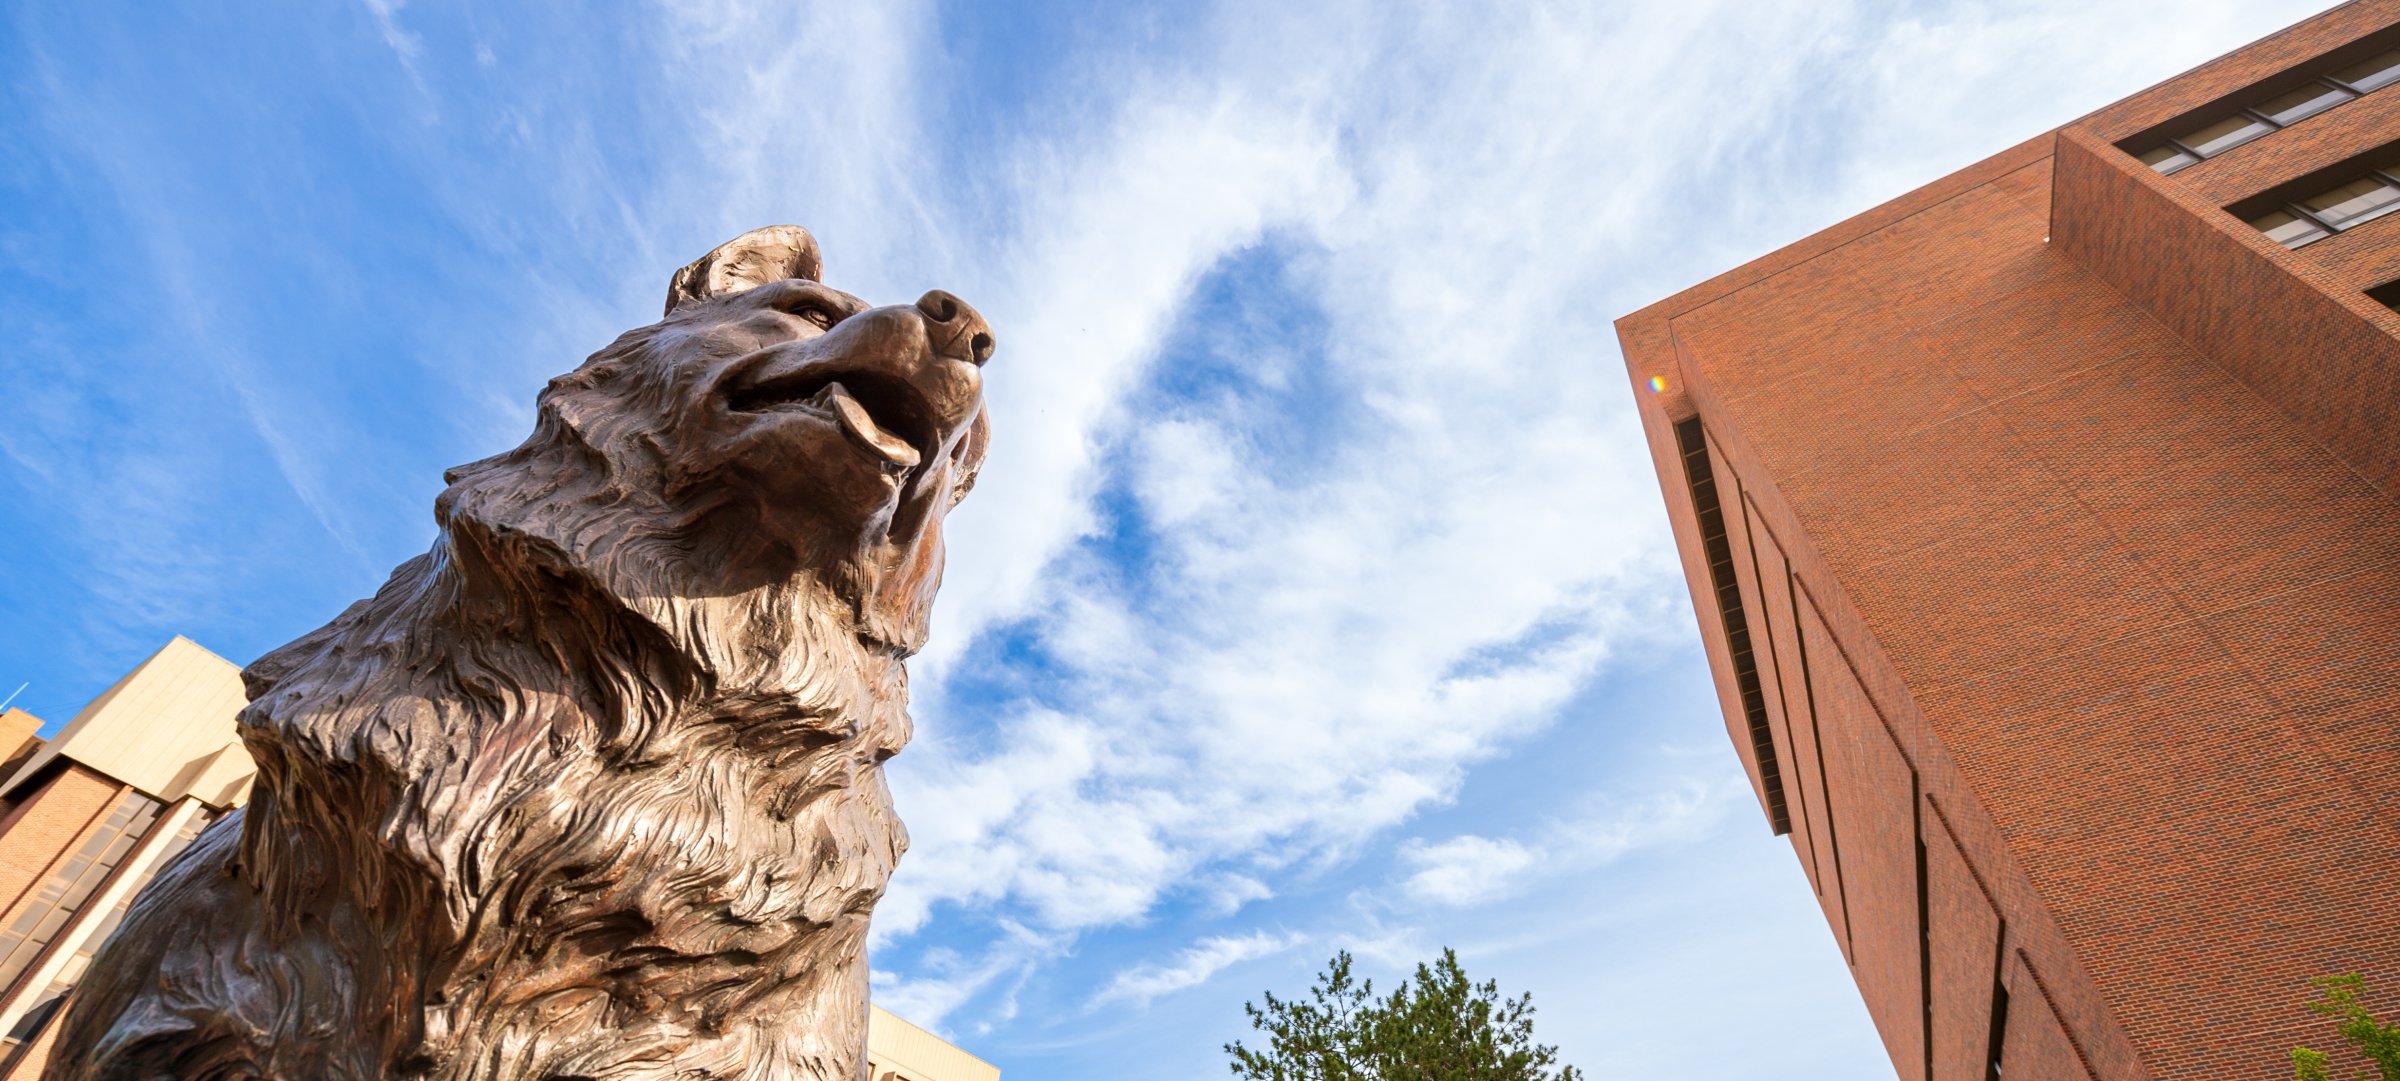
{"x": 863, "y": 429}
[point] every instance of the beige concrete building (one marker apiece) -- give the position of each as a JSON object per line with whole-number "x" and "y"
{"x": 899, "y": 1051}
{"x": 89, "y": 816}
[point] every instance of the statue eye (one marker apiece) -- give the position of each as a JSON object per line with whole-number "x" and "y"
{"x": 822, "y": 318}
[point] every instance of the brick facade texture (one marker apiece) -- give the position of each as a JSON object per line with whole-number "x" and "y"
{"x": 42, "y": 831}
{"x": 28, "y": 1066}
{"x": 2066, "y": 512}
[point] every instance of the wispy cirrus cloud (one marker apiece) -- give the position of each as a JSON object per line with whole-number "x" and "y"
{"x": 1192, "y": 966}
{"x": 1463, "y": 870}
{"x": 1470, "y": 869}
{"x": 1314, "y": 497}
{"x": 1277, "y": 566}
{"x": 387, "y": 24}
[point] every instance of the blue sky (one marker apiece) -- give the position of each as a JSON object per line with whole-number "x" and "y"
{"x": 1317, "y": 594}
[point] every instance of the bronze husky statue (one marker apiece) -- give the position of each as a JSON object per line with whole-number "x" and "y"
{"x": 593, "y": 789}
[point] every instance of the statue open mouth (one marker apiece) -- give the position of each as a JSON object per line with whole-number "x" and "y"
{"x": 888, "y": 418}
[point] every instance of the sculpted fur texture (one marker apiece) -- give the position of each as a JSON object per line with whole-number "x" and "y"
{"x": 593, "y": 789}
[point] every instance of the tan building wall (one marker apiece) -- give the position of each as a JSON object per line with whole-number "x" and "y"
{"x": 165, "y": 728}
{"x": 89, "y": 817}
{"x": 900, "y": 1051}
{"x": 19, "y": 739}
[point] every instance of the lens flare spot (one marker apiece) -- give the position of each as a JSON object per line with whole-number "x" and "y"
{"x": 1658, "y": 384}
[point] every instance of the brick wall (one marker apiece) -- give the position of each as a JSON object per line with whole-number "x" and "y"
{"x": 2037, "y": 1043}
{"x": 2309, "y": 341}
{"x": 1876, "y": 821}
{"x": 2073, "y": 557}
{"x": 42, "y": 830}
{"x": 1814, "y": 836}
{"x": 1965, "y": 960}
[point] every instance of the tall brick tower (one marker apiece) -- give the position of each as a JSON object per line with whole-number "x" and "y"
{"x": 2044, "y": 529}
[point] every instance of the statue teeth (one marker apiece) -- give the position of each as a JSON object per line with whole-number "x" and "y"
{"x": 854, "y": 420}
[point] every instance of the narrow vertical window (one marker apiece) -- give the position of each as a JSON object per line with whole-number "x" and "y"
{"x": 1991, "y": 1071}
{"x": 1708, "y": 508}
{"x": 1916, "y": 799}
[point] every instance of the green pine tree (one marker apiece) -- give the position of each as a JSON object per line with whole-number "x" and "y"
{"x": 1438, "y": 1026}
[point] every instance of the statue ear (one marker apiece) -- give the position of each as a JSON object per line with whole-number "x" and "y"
{"x": 752, "y": 259}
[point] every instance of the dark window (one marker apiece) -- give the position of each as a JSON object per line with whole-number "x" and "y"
{"x": 2167, "y": 159}
{"x": 2375, "y": 74}
{"x": 1924, "y": 924}
{"x": 1707, "y": 507}
{"x": 2387, "y": 294}
{"x": 2289, "y": 229}
{"x": 2311, "y": 219}
{"x": 2225, "y": 134}
{"x": 54, "y": 996}
{"x": 2299, "y": 105}
{"x": 37, "y": 1018}
{"x": 72, "y": 884}
{"x": 1999, "y": 1043}
{"x": 2207, "y": 134}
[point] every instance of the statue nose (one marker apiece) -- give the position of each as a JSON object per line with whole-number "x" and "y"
{"x": 958, "y": 330}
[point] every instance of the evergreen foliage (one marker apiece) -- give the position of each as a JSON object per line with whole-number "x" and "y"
{"x": 1438, "y": 1026}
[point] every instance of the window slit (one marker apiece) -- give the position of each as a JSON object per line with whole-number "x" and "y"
{"x": 1766, "y": 619}
{"x": 1693, "y": 443}
{"x": 1999, "y": 1040}
{"x": 1916, "y": 803}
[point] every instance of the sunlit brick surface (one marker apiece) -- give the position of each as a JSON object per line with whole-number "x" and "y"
{"x": 2064, "y": 505}
{"x": 40, "y": 831}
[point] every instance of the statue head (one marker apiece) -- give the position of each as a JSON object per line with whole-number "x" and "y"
{"x": 769, "y": 429}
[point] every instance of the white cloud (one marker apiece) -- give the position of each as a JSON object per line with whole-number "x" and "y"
{"x": 1318, "y": 650}
{"x": 1192, "y": 966}
{"x": 1463, "y": 870}
{"x": 1623, "y": 825}
{"x": 1228, "y": 892}
{"x": 1471, "y": 869}
{"x": 387, "y": 24}
{"x": 941, "y": 980}
{"x": 1324, "y": 640}
{"x": 1119, "y": 228}
{"x": 1372, "y": 565}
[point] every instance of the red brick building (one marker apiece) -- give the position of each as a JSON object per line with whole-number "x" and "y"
{"x": 2044, "y": 528}
{"x": 90, "y": 815}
